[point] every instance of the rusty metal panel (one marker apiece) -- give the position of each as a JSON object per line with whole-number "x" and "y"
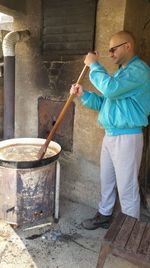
{"x": 27, "y": 195}
{"x": 48, "y": 111}
{"x": 68, "y": 27}
{"x": 8, "y": 197}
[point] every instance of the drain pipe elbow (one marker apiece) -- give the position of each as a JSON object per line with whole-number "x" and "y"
{"x": 11, "y": 39}
{"x": 8, "y": 47}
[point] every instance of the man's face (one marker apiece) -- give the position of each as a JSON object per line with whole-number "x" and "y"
{"x": 118, "y": 50}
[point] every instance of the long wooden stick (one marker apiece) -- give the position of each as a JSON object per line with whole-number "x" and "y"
{"x": 43, "y": 148}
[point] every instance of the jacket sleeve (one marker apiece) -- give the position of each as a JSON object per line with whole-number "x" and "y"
{"x": 92, "y": 100}
{"x": 119, "y": 85}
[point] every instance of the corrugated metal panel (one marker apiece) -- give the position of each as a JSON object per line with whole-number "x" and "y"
{"x": 68, "y": 27}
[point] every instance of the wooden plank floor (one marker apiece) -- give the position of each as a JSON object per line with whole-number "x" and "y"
{"x": 128, "y": 238}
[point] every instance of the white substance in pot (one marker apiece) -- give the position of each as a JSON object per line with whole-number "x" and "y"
{"x": 26, "y": 149}
{"x": 23, "y": 152}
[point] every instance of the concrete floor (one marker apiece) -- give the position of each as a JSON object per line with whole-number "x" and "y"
{"x": 51, "y": 245}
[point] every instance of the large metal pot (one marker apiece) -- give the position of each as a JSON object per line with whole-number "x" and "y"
{"x": 29, "y": 164}
{"x": 29, "y": 190}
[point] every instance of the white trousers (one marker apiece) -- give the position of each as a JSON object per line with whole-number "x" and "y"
{"x": 119, "y": 168}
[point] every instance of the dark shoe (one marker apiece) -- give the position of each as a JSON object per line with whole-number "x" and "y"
{"x": 99, "y": 220}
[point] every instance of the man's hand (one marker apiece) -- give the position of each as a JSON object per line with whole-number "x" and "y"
{"x": 77, "y": 90}
{"x": 91, "y": 57}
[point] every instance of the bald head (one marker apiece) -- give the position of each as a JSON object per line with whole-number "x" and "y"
{"x": 122, "y": 47}
{"x": 124, "y": 36}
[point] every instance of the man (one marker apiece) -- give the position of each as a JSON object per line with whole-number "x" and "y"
{"x": 123, "y": 106}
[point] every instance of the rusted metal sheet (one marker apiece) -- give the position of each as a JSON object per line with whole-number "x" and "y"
{"x": 68, "y": 27}
{"x": 27, "y": 195}
{"x": 48, "y": 111}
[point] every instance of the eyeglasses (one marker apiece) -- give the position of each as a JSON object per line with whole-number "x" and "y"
{"x": 113, "y": 49}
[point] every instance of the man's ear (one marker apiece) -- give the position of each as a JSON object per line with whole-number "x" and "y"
{"x": 128, "y": 45}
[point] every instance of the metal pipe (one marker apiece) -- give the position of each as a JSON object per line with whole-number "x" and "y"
{"x": 57, "y": 190}
{"x": 11, "y": 39}
{"x": 9, "y": 97}
{"x": 8, "y": 47}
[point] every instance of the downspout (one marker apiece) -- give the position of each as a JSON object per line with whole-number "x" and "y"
{"x": 8, "y": 47}
{"x": 57, "y": 190}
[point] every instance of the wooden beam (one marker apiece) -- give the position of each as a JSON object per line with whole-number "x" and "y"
{"x": 13, "y": 8}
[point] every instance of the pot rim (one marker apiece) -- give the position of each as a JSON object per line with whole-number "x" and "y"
{"x": 29, "y": 164}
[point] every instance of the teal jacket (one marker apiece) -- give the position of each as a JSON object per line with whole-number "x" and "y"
{"x": 124, "y": 105}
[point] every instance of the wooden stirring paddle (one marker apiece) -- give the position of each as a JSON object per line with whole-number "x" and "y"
{"x": 43, "y": 148}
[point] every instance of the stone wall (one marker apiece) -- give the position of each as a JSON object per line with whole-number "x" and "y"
{"x": 80, "y": 170}
{"x": 139, "y": 24}
{"x": 31, "y": 74}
